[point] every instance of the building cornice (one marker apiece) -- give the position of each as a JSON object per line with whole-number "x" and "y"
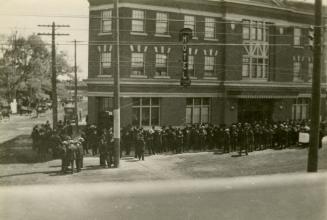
{"x": 196, "y": 12}
{"x": 157, "y": 8}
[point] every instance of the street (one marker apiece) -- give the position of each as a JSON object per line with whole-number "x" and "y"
{"x": 291, "y": 196}
{"x": 269, "y": 184}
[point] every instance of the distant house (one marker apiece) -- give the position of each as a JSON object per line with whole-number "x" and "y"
{"x": 248, "y": 60}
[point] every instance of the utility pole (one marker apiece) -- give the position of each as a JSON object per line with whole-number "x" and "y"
{"x": 53, "y": 34}
{"x": 75, "y": 73}
{"x": 116, "y": 86}
{"x": 315, "y": 97}
{"x": 10, "y": 94}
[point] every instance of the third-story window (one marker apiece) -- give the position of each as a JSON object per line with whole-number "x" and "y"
{"x": 260, "y": 31}
{"x": 137, "y": 64}
{"x": 197, "y": 110}
{"x": 161, "y": 65}
{"x": 297, "y": 71}
{"x": 161, "y": 23}
{"x": 189, "y": 22}
{"x": 253, "y": 32}
{"x": 209, "y": 64}
{"x": 106, "y": 23}
{"x": 209, "y": 30}
{"x": 105, "y": 64}
{"x": 297, "y": 37}
{"x": 146, "y": 111}
{"x": 246, "y": 29}
{"x": 138, "y": 21}
{"x": 191, "y": 69}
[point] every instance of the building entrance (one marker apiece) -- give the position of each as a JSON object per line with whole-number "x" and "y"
{"x": 250, "y": 110}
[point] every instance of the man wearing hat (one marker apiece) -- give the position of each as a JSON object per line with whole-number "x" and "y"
{"x": 79, "y": 154}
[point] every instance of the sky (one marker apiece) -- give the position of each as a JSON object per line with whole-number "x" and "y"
{"x": 23, "y": 16}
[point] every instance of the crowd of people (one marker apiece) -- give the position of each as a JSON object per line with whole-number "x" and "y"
{"x": 58, "y": 143}
{"x": 238, "y": 137}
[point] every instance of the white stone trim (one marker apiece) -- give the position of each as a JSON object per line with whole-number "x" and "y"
{"x": 101, "y": 7}
{"x": 139, "y": 33}
{"x": 138, "y": 76}
{"x": 159, "y": 95}
{"x": 156, "y": 8}
{"x": 162, "y": 35}
{"x": 211, "y": 39}
{"x": 104, "y": 34}
{"x": 240, "y": 17}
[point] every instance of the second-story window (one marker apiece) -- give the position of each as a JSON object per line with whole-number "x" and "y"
{"x": 297, "y": 37}
{"x": 189, "y": 22}
{"x": 191, "y": 69}
{"x": 137, "y": 64}
{"x": 310, "y": 71}
{"x": 105, "y": 64}
{"x": 209, "y": 30}
{"x": 161, "y": 65}
{"x": 246, "y": 67}
{"x": 138, "y": 21}
{"x": 162, "y": 23}
{"x": 209, "y": 64}
{"x": 297, "y": 71}
{"x": 106, "y": 21}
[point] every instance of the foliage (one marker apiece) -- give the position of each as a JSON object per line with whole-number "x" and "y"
{"x": 25, "y": 72}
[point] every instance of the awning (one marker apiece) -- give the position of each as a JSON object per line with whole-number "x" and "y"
{"x": 263, "y": 96}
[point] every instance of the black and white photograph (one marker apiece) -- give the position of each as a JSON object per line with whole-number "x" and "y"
{"x": 163, "y": 109}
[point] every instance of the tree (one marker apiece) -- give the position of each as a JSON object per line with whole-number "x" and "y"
{"x": 26, "y": 69}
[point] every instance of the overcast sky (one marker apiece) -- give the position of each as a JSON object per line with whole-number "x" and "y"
{"x": 16, "y": 15}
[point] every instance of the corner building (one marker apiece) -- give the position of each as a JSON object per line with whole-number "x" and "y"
{"x": 248, "y": 60}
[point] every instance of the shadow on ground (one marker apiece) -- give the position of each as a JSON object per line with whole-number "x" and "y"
{"x": 18, "y": 150}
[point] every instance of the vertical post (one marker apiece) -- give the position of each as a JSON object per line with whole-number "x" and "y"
{"x": 75, "y": 89}
{"x": 315, "y": 103}
{"x": 116, "y": 86}
{"x": 223, "y": 73}
{"x": 54, "y": 79}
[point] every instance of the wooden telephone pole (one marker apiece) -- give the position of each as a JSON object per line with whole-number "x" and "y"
{"x": 116, "y": 87}
{"x": 315, "y": 103}
{"x": 75, "y": 89}
{"x": 53, "y": 34}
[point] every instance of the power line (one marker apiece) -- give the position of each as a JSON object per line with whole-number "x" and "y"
{"x": 267, "y": 24}
{"x": 53, "y": 35}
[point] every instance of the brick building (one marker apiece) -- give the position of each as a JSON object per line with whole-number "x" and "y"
{"x": 248, "y": 60}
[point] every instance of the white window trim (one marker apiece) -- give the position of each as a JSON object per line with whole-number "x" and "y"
{"x": 141, "y": 106}
{"x": 201, "y": 107}
{"x": 101, "y": 27}
{"x": 138, "y": 19}
{"x": 167, "y": 22}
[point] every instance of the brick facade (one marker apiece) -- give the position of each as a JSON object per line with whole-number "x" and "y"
{"x": 226, "y": 86}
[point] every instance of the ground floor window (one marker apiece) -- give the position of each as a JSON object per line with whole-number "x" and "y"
{"x": 104, "y": 104}
{"x": 146, "y": 111}
{"x": 197, "y": 110}
{"x": 300, "y": 110}
{"x": 105, "y": 117}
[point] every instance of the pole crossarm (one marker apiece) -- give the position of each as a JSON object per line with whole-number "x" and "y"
{"x": 53, "y": 35}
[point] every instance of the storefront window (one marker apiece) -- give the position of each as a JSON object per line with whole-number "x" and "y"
{"x": 146, "y": 111}
{"x": 197, "y": 110}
